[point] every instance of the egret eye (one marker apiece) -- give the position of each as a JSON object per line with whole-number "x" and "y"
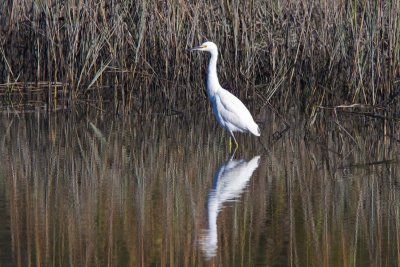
{"x": 204, "y": 46}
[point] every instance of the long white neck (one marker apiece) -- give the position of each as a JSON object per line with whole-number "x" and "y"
{"x": 212, "y": 77}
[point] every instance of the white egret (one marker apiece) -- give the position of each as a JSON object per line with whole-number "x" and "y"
{"x": 229, "y": 111}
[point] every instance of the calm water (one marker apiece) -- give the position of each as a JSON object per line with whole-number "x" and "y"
{"x": 90, "y": 190}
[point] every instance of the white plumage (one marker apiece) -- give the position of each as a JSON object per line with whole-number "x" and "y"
{"x": 229, "y": 111}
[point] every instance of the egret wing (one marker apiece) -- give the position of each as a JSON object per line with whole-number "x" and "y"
{"x": 232, "y": 111}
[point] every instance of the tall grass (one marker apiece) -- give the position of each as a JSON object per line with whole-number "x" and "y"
{"x": 287, "y": 51}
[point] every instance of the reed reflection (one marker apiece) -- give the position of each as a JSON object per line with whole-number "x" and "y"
{"x": 86, "y": 192}
{"x": 230, "y": 180}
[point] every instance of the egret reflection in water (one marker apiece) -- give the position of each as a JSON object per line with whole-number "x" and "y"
{"x": 230, "y": 180}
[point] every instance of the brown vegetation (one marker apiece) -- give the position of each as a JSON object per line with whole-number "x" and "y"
{"x": 308, "y": 52}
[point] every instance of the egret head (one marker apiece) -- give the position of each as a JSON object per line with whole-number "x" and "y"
{"x": 207, "y": 46}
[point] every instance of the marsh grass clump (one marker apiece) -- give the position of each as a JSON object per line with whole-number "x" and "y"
{"x": 315, "y": 53}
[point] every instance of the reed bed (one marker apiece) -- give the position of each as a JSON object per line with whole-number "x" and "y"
{"x": 308, "y": 53}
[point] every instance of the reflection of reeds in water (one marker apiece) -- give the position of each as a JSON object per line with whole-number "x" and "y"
{"x": 117, "y": 193}
{"x": 131, "y": 192}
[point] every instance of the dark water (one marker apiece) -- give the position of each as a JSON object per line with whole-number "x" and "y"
{"x": 91, "y": 190}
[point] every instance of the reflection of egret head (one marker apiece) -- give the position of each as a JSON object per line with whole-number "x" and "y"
{"x": 230, "y": 180}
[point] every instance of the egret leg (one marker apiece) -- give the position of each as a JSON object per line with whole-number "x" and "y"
{"x": 232, "y": 153}
{"x": 230, "y": 142}
{"x": 236, "y": 143}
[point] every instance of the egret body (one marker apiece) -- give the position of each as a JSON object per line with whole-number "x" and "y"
{"x": 229, "y": 111}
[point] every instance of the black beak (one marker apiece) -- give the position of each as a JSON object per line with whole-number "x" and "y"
{"x": 195, "y": 48}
